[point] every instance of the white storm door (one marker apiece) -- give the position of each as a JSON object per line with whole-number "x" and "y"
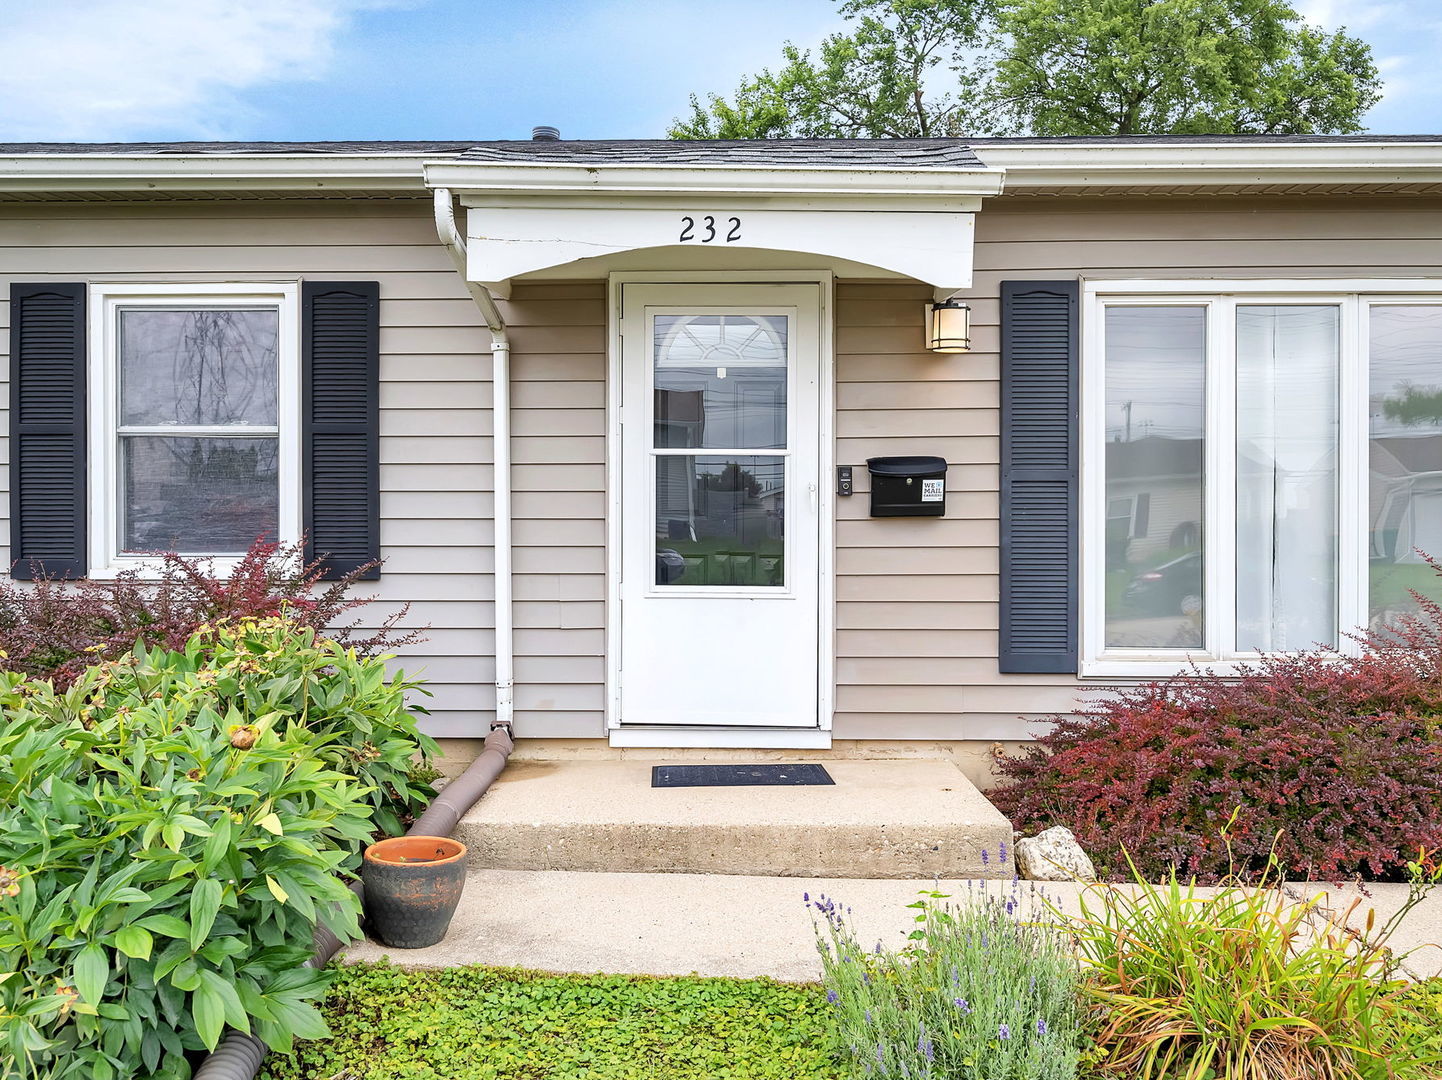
{"x": 720, "y": 530}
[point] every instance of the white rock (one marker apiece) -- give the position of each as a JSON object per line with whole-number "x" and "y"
{"x": 1053, "y": 855}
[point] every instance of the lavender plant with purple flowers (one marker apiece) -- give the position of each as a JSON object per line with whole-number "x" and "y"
{"x": 979, "y": 991}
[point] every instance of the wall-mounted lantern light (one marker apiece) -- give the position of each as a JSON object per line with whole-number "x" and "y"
{"x": 950, "y": 330}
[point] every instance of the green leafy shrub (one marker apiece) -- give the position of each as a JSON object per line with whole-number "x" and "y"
{"x": 492, "y": 1024}
{"x": 172, "y": 827}
{"x": 1247, "y": 983}
{"x": 354, "y": 712}
{"x": 978, "y": 993}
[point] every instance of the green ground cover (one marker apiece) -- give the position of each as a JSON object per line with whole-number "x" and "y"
{"x": 479, "y": 1023}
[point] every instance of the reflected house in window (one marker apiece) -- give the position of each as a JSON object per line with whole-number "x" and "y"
{"x": 1406, "y": 511}
{"x": 1153, "y": 493}
{"x": 1404, "y": 455}
{"x": 1154, "y": 413}
{"x": 1404, "y": 520}
{"x": 1153, "y": 540}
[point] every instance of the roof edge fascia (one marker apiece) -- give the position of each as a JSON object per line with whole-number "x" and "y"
{"x": 1041, "y": 166}
{"x": 470, "y": 178}
{"x": 211, "y": 172}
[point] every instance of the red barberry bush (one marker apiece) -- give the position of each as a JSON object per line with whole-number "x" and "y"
{"x": 1337, "y": 758}
{"x": 54, "y": 628}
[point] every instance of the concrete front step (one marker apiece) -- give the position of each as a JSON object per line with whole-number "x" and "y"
{"x": 679, "y": 924}
{"x": 913, "y": 819}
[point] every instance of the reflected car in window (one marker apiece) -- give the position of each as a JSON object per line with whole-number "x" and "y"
{"x": 1172, "y": 588}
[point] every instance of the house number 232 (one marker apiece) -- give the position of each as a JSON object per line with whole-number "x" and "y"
{"x": 707, "y": 230}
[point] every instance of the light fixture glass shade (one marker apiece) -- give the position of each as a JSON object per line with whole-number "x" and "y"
{"x": 950, "y": 327}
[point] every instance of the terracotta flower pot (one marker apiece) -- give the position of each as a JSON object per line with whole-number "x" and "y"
{"x": 412, "y": 887}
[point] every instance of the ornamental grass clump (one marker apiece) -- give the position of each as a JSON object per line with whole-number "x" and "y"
{"x": 978, "y": 993}
{"x": 173, "y": 826}
{"x": 1248, "y": 982}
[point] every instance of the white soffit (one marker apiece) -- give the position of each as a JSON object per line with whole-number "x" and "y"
{"x": 522, "y": 219}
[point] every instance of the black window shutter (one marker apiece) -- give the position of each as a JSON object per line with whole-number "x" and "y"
{"x": 1039, "y": 470}
{"x": 47, "y": 430}
{"x": 340, "y": 407}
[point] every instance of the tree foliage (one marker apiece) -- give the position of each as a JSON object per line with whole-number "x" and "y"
{"x": 1127, "y": 67}
{"x": 924, "y": 68}
{"x": 910, "y": 69}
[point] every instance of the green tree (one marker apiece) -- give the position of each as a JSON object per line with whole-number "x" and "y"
{"x": 919, "y": 68}
{"x": 910, "y": 69}
{"x": 1126, "y": 67}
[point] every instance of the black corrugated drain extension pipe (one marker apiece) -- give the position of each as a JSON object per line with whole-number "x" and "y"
{"x": 239, "y": 1056}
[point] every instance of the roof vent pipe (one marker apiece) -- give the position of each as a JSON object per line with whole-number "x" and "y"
{"x": 545, "y": 133}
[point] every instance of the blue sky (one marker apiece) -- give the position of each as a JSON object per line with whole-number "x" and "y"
{"x": 472, "y": 69}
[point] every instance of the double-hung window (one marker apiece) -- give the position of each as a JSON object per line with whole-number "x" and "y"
{"x": 194, "y": 442}
{"x": 1285, "y": 440}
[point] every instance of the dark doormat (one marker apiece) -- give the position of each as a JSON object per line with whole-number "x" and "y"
{"x": 739, "y": 776}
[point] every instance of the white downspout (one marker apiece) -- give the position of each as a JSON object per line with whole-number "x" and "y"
{"x": 455, "y": 245}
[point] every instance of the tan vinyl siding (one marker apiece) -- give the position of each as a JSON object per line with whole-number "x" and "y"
{"x": 916, "y": 639}
{"x": 916, "y": 611}
{"x": 436, "y": 477}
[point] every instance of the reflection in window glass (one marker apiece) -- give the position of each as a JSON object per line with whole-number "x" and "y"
{"x": 1404, "y": 407}
{"x": 198, "y": 367}
{"x": 720, "y": 520}
{"x": 1287, "y": 359}
{"x": 721, "y": 381}
{"x": 208, "y": 377}
{"x": 1155, "y": 394}
{"x": 201, "y": 496}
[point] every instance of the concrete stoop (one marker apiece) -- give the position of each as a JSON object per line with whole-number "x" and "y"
{"x": 902, "y": 819}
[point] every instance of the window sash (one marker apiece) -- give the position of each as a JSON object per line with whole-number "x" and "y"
{"x": 1221, "y": 299}
{"x": 106, "y": 433}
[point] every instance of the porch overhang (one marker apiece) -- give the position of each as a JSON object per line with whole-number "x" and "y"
{"x": 525, "y": 218}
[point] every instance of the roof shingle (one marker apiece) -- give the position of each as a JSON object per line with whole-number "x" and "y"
{"x": 849, "y": 153}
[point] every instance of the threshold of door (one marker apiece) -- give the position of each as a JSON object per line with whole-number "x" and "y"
{"x": 757, "y": 738}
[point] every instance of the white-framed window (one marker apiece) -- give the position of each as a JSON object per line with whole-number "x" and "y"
{"x": 1285, "y": 438}
{"x": 194, "y": 427}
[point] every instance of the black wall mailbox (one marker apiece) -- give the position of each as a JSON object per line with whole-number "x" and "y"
{"x": 907, "y": 486}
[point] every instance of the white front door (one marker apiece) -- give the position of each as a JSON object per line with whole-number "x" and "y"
{"x": 720, "y": 509}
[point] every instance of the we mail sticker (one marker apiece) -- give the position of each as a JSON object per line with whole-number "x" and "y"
{"x": 933, "y": 490}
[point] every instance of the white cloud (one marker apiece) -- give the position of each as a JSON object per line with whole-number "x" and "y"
{"x": 127, "y": 69}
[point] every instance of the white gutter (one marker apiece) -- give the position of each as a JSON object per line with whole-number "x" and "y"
{"x": 455, "y": 246}
{"x": 869, "y": 182}
{"x": 213, "y": 172}
{"x": 1222, "y": 164}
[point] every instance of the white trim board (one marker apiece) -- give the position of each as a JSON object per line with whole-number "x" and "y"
{"x": 1198, "y": 163}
